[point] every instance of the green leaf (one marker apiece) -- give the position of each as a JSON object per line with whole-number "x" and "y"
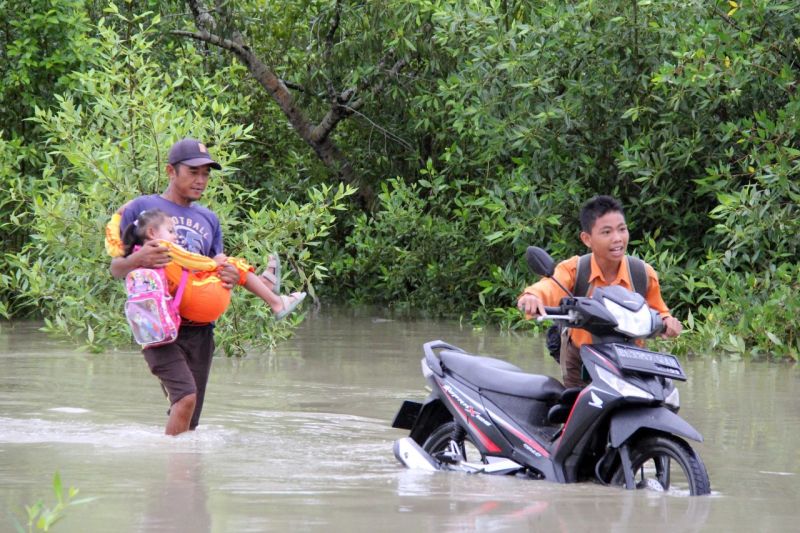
{"x": 774, "y": 339}
{"x": 57, "y": 488}
{"x": 497, "y": 235}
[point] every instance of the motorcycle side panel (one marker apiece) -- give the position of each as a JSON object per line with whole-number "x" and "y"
{"x": 520, "y": 444}
{"x": 466, "y": 405}
{"x": 494, "y": 431}
{"x": 588, "y": 412}
{"x": 628, "y": 422}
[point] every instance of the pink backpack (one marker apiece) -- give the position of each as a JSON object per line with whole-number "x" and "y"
{"x": 151, "y": 312}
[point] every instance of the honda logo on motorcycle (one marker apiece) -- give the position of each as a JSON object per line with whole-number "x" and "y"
{"x": 597, "y": 401}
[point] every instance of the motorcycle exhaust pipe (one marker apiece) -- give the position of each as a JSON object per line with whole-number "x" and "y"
{"x": 412, "y": 456}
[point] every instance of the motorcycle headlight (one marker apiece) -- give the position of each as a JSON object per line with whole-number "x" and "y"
{"x": 621, "y": 386}
{"x": 631, "y": 323}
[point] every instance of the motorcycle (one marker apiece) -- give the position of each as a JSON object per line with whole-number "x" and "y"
{"x": 486, "y": 415}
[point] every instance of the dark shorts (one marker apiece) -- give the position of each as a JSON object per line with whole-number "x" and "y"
{"x": 571, "y": 363}
{"x": 183, "y": 366}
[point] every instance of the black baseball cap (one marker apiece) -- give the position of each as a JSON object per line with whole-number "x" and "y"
{"x": 191, "y": 152}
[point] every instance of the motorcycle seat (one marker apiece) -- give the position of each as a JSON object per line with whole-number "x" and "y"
{"x": 501, "y": 376}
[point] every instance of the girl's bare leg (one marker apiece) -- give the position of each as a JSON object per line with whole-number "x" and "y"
{"x": 256, "y": 285}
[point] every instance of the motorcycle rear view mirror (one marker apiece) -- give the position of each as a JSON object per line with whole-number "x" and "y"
{"x": 540, "y": 261}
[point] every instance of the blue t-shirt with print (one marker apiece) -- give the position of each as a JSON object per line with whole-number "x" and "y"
{"x": 197, "y": 227}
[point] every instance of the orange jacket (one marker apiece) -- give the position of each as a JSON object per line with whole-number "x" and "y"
{"x": 566, "y": 272}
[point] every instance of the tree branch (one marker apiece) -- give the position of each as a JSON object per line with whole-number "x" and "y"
{"x": 202, "y": 16}
{"x": 724, "y": 16}
{"x": 239, "y": 49}
{"x": 328, "y": 53}
{"x": 320, "y": 143}
{"x": 341, "y": 104}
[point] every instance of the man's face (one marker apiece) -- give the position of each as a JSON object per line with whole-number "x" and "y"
{"x": 609, "y": 237}
{"x": 188, "y": 183}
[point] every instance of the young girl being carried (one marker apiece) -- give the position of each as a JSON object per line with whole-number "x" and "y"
{"x": 204, "y": 298}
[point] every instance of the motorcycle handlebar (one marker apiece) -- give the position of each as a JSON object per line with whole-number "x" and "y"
{"x": 660, "y": 328}
{"x": 554, "y": 313}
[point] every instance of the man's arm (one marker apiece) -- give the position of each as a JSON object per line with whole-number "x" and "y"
{"x": 227, "y": 272}
{"x": 151, "y": 255}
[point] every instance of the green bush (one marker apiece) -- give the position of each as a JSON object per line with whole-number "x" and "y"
{"x": 686, "y": 112}
{"x": 754, "y": 317}
{"x": 500, "y": 119}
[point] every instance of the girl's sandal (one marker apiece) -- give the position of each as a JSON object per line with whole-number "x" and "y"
{"x": 290, "y": 302}
{"x": 272, "y": 275}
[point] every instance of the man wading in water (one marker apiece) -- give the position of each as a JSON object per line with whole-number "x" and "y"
{"x": 183, "y": 366}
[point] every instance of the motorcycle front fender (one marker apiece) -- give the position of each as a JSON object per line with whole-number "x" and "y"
{"x": 629, "y": 421}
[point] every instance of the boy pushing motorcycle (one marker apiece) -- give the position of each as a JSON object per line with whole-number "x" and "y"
{"x": 605, "y": 232}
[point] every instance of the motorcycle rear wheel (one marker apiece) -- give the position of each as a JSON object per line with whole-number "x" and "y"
{"x": 438, "y": 444}
{"x": 666, "y": 464}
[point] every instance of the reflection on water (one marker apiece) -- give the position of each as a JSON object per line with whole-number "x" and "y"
{"x": 178, "y": 500}
{"x": 300, "y": 440}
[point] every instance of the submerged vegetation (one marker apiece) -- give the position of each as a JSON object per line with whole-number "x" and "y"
{"x": 405, "y": 153}
{"x": 40, "y": 517}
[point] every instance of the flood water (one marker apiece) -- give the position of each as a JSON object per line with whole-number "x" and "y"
{"x": 300, "y": 440}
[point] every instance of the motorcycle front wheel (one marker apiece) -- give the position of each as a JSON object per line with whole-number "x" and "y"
{"x": 450, "y": 443}
{"x": 666, "y": 464}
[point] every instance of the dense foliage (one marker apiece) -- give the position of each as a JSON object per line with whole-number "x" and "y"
{"x": 480, "y": 127}
{"x": 106, "y": 143}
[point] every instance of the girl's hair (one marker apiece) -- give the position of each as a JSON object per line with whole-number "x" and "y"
{"x": 136, "y": 234}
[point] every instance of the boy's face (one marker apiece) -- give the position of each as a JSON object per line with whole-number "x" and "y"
{"x": 609, "y": 237}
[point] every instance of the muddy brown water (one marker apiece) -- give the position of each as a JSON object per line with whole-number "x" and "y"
{"x": 300, "y": 440}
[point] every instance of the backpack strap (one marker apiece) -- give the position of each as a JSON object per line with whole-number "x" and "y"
{"x": 638, "y": 275}
{"x": 582, "y": 275}
{"x": 635, "y": 267}
{"x": 176, "y": 302}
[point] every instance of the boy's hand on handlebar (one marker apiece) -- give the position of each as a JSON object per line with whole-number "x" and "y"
{"x": 672, "y": 327}
{"x": 531, "y": 305}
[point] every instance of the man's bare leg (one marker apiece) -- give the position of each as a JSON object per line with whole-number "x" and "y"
{"x": 180, "y": 414}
